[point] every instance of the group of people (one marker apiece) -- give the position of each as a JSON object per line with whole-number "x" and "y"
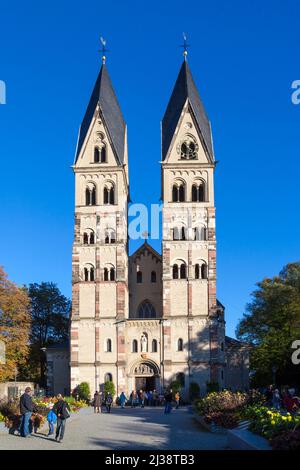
{"x": 99, "y": 401}
{"x": 139, "y": 398}
{"x": 57, "y": 415}
{"x": 283, "y": 399}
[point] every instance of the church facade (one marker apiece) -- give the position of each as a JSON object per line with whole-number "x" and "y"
{"x": 147, "y": 319}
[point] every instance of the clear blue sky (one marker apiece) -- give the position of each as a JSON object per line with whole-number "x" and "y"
{"x": 244, "y": 57}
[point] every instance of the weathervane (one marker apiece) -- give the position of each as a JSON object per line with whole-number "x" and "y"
{"x": 103, "y": 50}
{"x": 185, "y": 45}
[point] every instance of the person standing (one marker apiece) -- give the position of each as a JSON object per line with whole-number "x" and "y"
{"x": 276, "y": 399}
{"x": 97, "y": 402}
{"x": 51, "y": 418}
{"x": 168, "y": 402}
{"x": 150, "y": 398}
{"x": 108, "y": 402}
{"x": 27, "y": 407}
{"x": 62, "y": 411}
{"x": 122, "y": 400}
{"x": 177, "y": 399}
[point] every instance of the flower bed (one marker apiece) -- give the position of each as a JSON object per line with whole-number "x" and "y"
{"x": 10, "y": 411}
{"x": 226, "y": 410}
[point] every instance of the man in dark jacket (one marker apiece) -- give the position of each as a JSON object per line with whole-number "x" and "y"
{"x": 62, "y": 410}
{"x": 97, "y": 402}
{"x": 27, "y": 407}
{"x": 168, "y": 401}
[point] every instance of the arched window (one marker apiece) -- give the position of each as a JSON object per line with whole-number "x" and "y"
{"x": 103, "y": 154}
{"x": 90, "y": 195}
{"x": 96, "y": 155}
{"x": 181, "y": 378}
{"x": 175, "y": 271}
{"x": 175, "y": 193}
{"x": 134, "y": 346}
{"x": 87, "y": 197}
{"x": 93, "y": 203}
{"x": 183, "y": 271}
{"x": 139, "y": 277}
{"x": 89, "y": 273}
{"x": 181, "y": 193}
{"x": 198, "y": 191}
{"x": 112, "y": 196}
{"x": 109, "y": 273}
{"x": 153, "y": 276}
{"x": 109, "y": 194}
{"x": 194, "y": 193}
{"x": 110, "y": 236}
{"x": 108, "y": 345}
{"x": 178, "y": 192}
{"x": 200, "y": 233}
{"x": 154, "y": 345}
{"x": 180, "y": 344}
{"x": 146, "y": 310}
{"x": 105, "y": 195}
{"x": 197, "y": 271}
{"x": 182, "y": 233}
{"x": 89, "y": 238}
{"x": 108, "y": 377}
{"x": 204, "y": 271}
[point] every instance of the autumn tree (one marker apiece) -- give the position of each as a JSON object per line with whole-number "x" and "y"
{"x": 14, "y": 326}
{"x": 50, "y": 311}
{"x": 271, "y": 324}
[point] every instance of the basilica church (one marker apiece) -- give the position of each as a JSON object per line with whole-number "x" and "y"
{"x": 146, "y": 319}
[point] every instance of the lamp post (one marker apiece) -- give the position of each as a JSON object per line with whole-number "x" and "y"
{"x": 16, "y": 373}
{"x": 274, "y": 370}
{"x": 44, "y": 349}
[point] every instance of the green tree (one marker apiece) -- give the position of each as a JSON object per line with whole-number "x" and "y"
{"x": 176, "y": 386}
{"x": 14, "y": 326}
{"x": 271, "y": 324}
{"x": 109, "y": 387}
{"x": 83, "y": 391}
{"x": 50, "y": 312}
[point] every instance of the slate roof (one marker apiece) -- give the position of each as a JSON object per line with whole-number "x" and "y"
{"x": 184, "y": 89}
{"x": 104, "y": 95}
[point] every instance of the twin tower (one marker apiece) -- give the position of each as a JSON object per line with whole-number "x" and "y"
{"x": 145, "y": 320}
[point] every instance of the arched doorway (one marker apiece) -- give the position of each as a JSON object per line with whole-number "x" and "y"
{"x": 145, "y": 374}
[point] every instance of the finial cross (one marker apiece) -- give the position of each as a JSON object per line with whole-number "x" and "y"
{"x": 185, "y": 45}
{"x": 103, "y": 49}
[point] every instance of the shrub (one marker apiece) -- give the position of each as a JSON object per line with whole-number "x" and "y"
{"x": 83, "y": 391}
{"x": 175, "y": 386}
{"x": 221, "y": 401}
{"x": 109, "y": 387}
{"x": 2, "y": 418}
{"x": 270, "y": 423}
{"x": 194, "y": 391}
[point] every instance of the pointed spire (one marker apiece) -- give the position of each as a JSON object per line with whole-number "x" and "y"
{"x": 185, "y": 89}
{"x": 104, "y": 95}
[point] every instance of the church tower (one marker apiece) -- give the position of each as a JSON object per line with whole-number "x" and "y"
{"x": 193, "y": 322}
{"x": 100, "y": 259}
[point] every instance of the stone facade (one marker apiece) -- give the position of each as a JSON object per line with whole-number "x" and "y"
{"x": 147, "y": 319}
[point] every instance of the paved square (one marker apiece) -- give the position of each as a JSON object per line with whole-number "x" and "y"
{"x": 127, "y": 429}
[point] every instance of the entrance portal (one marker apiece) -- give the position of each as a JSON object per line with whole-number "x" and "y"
{"x": 145, "y": 374}
{"x": 145, "y": 383}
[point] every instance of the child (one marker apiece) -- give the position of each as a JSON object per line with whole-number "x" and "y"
{"x": 51, "y": 418}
